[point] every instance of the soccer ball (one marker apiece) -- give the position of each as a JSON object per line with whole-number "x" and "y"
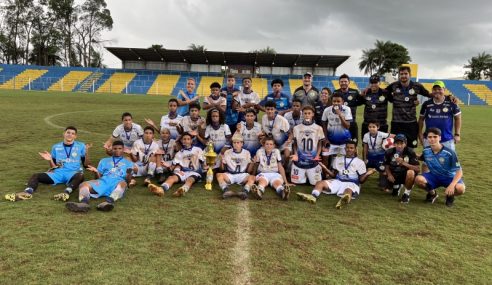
{"x": 388, "y": 143}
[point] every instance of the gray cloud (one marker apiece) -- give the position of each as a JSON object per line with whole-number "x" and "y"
{"x": 440, "y": 35}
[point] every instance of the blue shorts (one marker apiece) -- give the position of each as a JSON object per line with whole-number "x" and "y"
{"x": 61, "y": 176}
{"x": 376, "y": 161}
{"x": 104, "y": 187}
{"x": 434, "y": 181}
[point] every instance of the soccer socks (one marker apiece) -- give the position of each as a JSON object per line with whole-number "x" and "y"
{"x": 84, "y": 194}
{"x": 68, "y": 190}
{"x": 29, "y": 190}
{"x": 315, "y": 193}
{"x": 223, "y": 186}
{"x": 165, "y": 186}
{"x": 279, "y": 190}
{"x": 117, "y": 193}
{"x": 151, "y": 168}
{"x": 261, "y": 188}
{"x": 246, "y": 188}
{"x": 407, "y": 191}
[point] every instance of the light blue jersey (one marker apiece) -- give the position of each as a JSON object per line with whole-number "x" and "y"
{"x": 185, "y": 110}
{"x": 68, "y": 156}
{"x": 113, "y": 171}
{"x": 444, "y": 163}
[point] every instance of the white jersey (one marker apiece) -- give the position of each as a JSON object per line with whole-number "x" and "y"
{"x": 268, "y": 164}
{"x": 375, "y": 144}
{"x": 250, "y": 137}
{"x": 128, "y": 136}
{"x": 218, "y": 136}
{"x": 236, "y": 162}
{"x": 245, "y": 98}
{"x": 143, "y": 151}
{"x": 168, "y": 148}
{"x": 278, "y": 128}
{"x": 337, "y": 134}
{"x": 168, "y": 123}
{"x": 293, "y": 121}
{"x": 307, "y": 138}
{"x": 222, "y": 101}
{"x": 189, "y": 125}
{"x": 189, "y": 159}
{"x": 349, "y": 168}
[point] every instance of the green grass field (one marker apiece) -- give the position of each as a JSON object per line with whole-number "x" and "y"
{"x": 201, "y": 239}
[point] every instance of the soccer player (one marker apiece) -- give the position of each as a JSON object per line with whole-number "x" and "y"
{"x": 66, "y": 160}
{"x": 246, "y": 99}
{"x": 349, "y": 172}
{"x": 294, "y": 116}
{"x": 128, "y": 132}
{"x": 441, "y": 169}
{"x": 217, "y": 132}
{"x": 325, "y": 102}
{"x": 275, "y": 125}
{"x": 188, "y": 164}
{"x": 145, "y": 154}
{"x": 215, "y": 100}
{"x": 167, "y": 149}
{"x": 440, "y": 113}
{"x": 375, "y": 106}
{"x": 251, "y": 132}
{"x": 336, "y": 122}
{"x": 401, "y": 166}
{"x": 307, "y": 144}
{"x": 307, "y": 93}
{"x": 269, "y": 170}
{"x": 283, "y": 101}
{"x": 194, "y": 125}
{"x": 373, "y": 152}
{"x": 112, "y": 175}
{"x": 236, "y": 163}
{"x": 352, "y": 99}
{"x": 187, "y": 97}
{"x": 169, "y": 121}
{"x": 229, "y": 92}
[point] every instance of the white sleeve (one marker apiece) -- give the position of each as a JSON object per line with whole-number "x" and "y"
{"x": 348, "y": 114}
{"x": 116, "y": 132}
{"x": 361, "y": 167}
{"x": 324, "y": 118}
{"x": 227, "y": 130}
{"x": 366, "y": 138}
{"x": 277, "y": 153}
{"x": 207, "y": 132}
{"x": 135, "y": 147}
{"x": 163, "y": 121}
{"x": 140, "y": 131}
{"x": 285, "y": 126}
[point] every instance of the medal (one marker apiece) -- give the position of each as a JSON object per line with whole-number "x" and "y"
{"x": 345, "y": 172}
{"x": 373, "y": 106}
{"x": 382, "y": 167}
{"x": 381, "y": 98}
{"x": 115, "y": 162}
{"x": 350, "y": 97}
{"x": 396, "y": 155}
{"x": 411, "y": 91}
{"x": 407, "y": 99}
{"x": 146, "y": 149}
{"x": 68, "y": 153}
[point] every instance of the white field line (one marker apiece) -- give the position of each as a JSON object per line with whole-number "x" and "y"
{"x": 240, "y": 255}
{"x": 47, "y": 120}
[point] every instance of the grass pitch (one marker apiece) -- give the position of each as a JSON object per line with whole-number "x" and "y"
{"x": 201, "y": 239}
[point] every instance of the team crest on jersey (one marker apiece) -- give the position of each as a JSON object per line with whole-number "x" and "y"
{"x": 381, "y": 98}
{"x": 281, "y": 104}
{"x": 74, "y": 154}
{"x": 441, "y": 160}
{"x": 445, "y": 109}
{"x": 411, "y": 91}
{"x": 350, "y": 97}
{"x": 397, "y": 90}
{"x": 405, "y": 159}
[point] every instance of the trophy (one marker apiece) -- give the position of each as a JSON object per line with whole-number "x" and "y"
{"x": 210, "y": 157}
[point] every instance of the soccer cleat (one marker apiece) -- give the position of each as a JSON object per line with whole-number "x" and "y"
{"x": 431, "y": 198}
{"x": 132, "y": 183}
{"x": 343, "y": 201}
{"x": 396, "y": 190}
{"x": 405, "y": 198}
{"x": 228, "y": 194}
{"x": 243, "y": 195}
{"x": 19, "y": 196}
{"x": 147, "y": 181}
{"x": 77, "y": 207}
{"x": 180, "y": 192}
{"x": 449, "y": 201}
{"x": 61, "y": 197}
{"x": 105, "y": 206}
{"x": 286, "y": 193}
{"x": 306, "y": 197}
{"x": 256, "y": 192}
{"x": 156, "y": 190}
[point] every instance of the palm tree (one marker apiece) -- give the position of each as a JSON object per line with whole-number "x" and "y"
{"x": 480, "y": 67}
{"x": 386, "y": 56}
{"x": 195, "y": 47}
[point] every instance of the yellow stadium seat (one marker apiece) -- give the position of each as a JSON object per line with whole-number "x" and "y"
{"x": 23, "y": 79}
{"x": 163, "y": 84}
{"x": 116, "y": 83}
{"x": 482, "y": 91}
{"x": 294, "y": 84}
{"x": 260, "y": 86}
{"x": 204, "y": 86}
{"x": 69, "y": 81}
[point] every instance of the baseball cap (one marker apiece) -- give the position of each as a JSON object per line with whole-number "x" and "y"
{"x": 374, "y": 78}
{"x": 237, "y": 138}
{"x": 400, "y": 137}
{"x": 308, "y": 73}
{"x": 438, "y": 83}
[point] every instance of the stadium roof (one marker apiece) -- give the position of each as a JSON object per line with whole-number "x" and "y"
{"x": 227, "y": 58}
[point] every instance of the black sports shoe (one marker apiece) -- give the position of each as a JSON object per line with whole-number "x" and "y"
{"x": 243, "y": 195}
{"x": 449, "y": 201}
{"x": 396, "y": 190}
{"x": 77, "y": 207}
{"x": 105, "y": 206}
{"x": 405, "y": 198}
{"x": 431, "y": 198}
{"x": 228, "y": 194}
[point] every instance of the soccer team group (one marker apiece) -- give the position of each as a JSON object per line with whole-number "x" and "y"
{"x": 309, "y": 137}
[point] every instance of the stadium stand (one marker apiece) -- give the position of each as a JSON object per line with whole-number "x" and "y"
{"x": 116, "y": 83}
{"x": 164, "y": 84}
{"x": 293, "y": 83}
{"x": 23, "y": 79}
{"x": 69, "y": 81}
{"x": 260, "y": 86}
{"x": 481, "y": 90}
{"x": 89, "y": 83}
{"x": 204, "y": 85}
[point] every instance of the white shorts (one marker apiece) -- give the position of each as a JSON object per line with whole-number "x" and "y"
{"x": 338, "y": 187}
{"x": 335, "y": 150}
{"x": 142, "y": 170}
{"x": 187, "y": 174}
{"x": 298, "y": 175}
{"x": 238, "y": 178}
{"x": 270, "y": 177}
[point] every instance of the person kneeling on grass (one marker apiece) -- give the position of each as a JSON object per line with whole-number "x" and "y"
{"x": 112, "y": 175}
{"x": 188, "y": 164}
{"x": 268, "y": 165}
{"x": 66, "y": 160}
{"x": 349, "y": 172}
{"x": 236, "y": 162}
{"x": 441, "y": 168}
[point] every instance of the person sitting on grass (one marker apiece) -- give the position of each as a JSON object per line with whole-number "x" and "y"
{"x": 167, "y": 149}
{"x": 349, "y": 172}
{"x": 269, "y": 170}
{"x": 112, "y": 175}
{"x": 66, "y": 160}
{"x": 441, "y": 169}
{"x": 236, "y": 163}
{"x": 128, "y": 132}
{"x": 145, "y": 153}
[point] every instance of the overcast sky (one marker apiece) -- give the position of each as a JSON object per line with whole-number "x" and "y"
{"x": 440, "y": 35}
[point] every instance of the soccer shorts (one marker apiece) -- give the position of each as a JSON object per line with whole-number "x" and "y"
{"x": 271, "y": 177}
{"x": 183, "y": 175}
{"x": 335, "y": 150}
{"x": 61, "y": 176}
{"x": 142, "y": 170}
{"x": 338, "y": 187}
{"x": 410, "y": 130}
{"x": 399, "y": 176}
{"x": 375, "y": 161}
{"x": 300, "y": 175}
{"x": 238, "y": 178}
{"x": 103, "y": 186}
{"x": 436, "y": 181}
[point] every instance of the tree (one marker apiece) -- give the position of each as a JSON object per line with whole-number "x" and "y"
{"x": 480, "y": 67}
{"x": 199, "y": 48}
{"x": 156, "y": 46}
{"x": 267, "y": 50}
{"x": 383, "y": 58}
{"x": 65, "y": 15}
